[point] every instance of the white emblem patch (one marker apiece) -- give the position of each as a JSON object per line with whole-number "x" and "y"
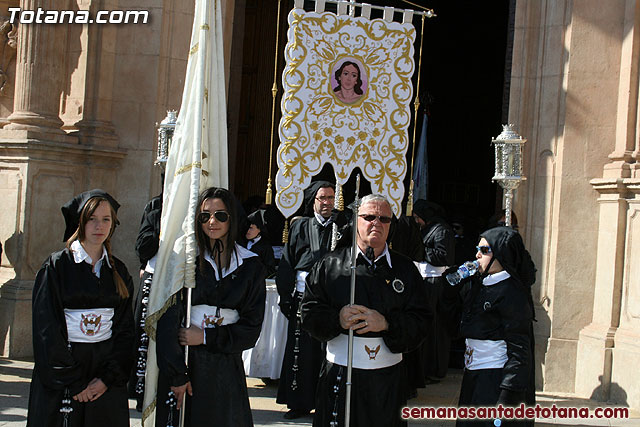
{"x": 398, "y": 286}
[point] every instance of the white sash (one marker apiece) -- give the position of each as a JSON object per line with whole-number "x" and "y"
{"x": 206, "y": 316}
{"x": 89, "y": 325}
{"x": 368, "y": 353}
{"x": 485, "y": 354}
{"x": 301, "y": 277}
{"x": 428, "y": 270}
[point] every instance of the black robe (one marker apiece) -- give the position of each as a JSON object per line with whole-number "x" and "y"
{"x": 215, "y": 369}
{"x": 60, "y": 284}
{"x": 148, "y": 239}
{"x": 308, "y": 242}
{"x": 439, "y": 247}
{"x": 147, "y": 244}
{"x": 377, "y": 394}
{"x": 264, "y": 250}
{"x": 497, "y": 312}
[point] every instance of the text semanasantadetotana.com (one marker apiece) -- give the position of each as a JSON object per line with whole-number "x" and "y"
{"x": 505, "y": 412}
{"x": 42, "y": 16}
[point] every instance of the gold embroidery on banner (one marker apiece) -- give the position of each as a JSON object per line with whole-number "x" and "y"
{"x": 316, "y": 125}
{"x": 187, "y": 168}
{"x": 204, "y": 27}
{"x": 194, "y": 49}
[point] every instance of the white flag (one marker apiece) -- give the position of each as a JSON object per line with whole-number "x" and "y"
{"x": 197, "y": 160}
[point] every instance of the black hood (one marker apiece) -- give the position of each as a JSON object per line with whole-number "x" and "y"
{"x": 428, "y": 211}
{"x": 310, "y": 195}
{"x": 73, "y": 208}
{"x": 508, "y": 248}
{"x": 258, "y": 219}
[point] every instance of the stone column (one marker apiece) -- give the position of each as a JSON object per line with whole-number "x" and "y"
{"x": 94, "y": 84}
{"x": 596, "y": 340}
{"x": 625, "y": 380}
{"x": 622, "y": 157}
{"x": 39, "y": 72}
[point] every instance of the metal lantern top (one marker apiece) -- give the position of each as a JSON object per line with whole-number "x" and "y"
{"x": 508, "y": 155}
{"x": 165, "y": 136}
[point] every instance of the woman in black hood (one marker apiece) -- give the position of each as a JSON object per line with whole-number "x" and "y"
{"x": 494, "y": 311}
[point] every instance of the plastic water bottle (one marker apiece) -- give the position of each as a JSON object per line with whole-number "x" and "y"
{"x": 467, "y": 269}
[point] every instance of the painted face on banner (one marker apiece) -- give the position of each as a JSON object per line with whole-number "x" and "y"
{"x": 349, "y": 77}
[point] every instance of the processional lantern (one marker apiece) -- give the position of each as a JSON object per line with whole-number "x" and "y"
{"x": 508, "y": 164}
{"x": 165, "y": 135}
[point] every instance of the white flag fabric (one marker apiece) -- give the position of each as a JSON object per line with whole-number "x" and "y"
{"x": 197, "y": 160}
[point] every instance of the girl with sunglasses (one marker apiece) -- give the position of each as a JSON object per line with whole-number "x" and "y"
{"x": 226, "y": 317}
{"x": 82, "y": 323}
{"x": 494, "y": 312}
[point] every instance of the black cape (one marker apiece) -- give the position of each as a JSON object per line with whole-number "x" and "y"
{"x": 215, "y": 369}
{"x": 264, "y": 250}
{"x": 308, "y": 242}
{"x": 148, "y": 239}
{"x": 439, "y": 247}
{"x": 147, "y": 244}
{"x": 377, "y": 394}
{"x": 60, "y": 284}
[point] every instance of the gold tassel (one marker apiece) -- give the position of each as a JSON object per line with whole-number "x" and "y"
{"x": 274, "y": 95}
{"x": 285, "y": 231}
{"x": 410, "y": 200}
{"x": 267, "y": 197}
{"x": 339, "y": 198}
{"x": 415, "y": 121}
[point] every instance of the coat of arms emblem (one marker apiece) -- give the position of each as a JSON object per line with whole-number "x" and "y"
{"x": 90, "y": 324}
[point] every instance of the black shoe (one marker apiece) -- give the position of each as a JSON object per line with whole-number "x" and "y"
{"x": 294, "y": 414}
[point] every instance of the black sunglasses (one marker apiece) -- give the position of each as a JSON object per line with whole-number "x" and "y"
{"x": 371, "y": 218}
{"x": 484, "y": 250}
{"x": 220, "y": 216}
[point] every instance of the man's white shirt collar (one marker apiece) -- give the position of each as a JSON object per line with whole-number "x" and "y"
{"x": 80, "y": 255}
{"x": 385, "y": 253}
{"x": 322, "y": 220}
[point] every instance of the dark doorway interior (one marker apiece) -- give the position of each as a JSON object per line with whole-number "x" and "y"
{"x": 462, "y": 85}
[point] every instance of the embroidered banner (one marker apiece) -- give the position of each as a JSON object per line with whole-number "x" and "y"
{"x": 347, "y": 93}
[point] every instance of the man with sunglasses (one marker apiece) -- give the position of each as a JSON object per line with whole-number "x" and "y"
{"x": 439, "y": 248}
{"x": 309, "y": 240}
{"x": 390, "y": 317}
